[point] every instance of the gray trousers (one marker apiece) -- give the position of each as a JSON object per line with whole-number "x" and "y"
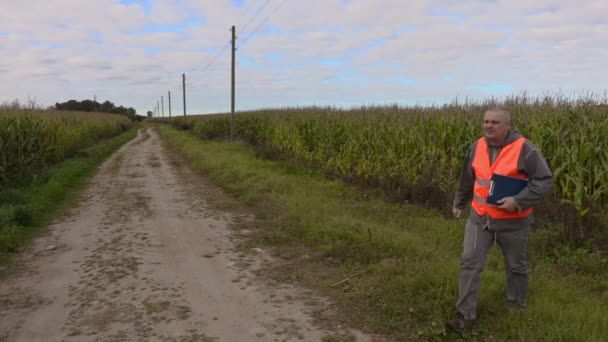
{"x": 477, "y": 242}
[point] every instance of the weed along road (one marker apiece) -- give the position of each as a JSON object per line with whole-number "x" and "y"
{"x": 144, "y": 256}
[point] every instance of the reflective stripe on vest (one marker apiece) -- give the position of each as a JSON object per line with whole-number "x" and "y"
{"x": 505, "y": 164}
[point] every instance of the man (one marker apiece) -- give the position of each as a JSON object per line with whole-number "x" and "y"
{"x": 502, "y": 150}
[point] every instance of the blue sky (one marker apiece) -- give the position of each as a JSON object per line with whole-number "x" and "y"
{"x": 298, "y": 53}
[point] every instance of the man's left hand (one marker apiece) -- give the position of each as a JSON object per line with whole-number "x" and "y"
{"x": 507, "y": 203}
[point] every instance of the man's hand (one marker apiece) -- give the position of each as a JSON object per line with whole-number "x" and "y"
{"x": 507, "y": 203}
{"x": 457, "y": 212}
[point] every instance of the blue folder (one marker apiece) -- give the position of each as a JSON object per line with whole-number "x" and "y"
{"x": 504, "y": 186}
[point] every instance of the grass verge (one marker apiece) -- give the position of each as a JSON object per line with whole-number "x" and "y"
{"x": 25, "y": 210}
{"x": 392, "y": 268}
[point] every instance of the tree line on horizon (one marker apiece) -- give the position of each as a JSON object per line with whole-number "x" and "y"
{"x": 94, "y": 106}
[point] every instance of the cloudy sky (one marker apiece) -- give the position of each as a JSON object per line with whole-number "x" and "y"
{"x": 299, "y": 52}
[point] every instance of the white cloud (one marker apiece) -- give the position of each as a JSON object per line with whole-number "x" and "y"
{"x": 313, "y": 52}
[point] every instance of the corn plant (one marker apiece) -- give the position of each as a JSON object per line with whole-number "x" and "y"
{"x": 31, "y": 140}
{"x": 416, "y": 153}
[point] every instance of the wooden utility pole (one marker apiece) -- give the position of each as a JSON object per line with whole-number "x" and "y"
{"x": 184, "y": 86}
{"x": 162, "y": 105}
{"x": 169, "y": 104}
{"x": 157, "y": 107}
{"x": 232, "y": 97}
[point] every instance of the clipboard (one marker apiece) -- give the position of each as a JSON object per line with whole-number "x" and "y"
{"x": 504, "y": 186}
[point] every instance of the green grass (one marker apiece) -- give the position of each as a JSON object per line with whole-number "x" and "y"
{"x": 415, "y": 153}
{"x": 25, "y": 210}
{"x": 405, "y": 258}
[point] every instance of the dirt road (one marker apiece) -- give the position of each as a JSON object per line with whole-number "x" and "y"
{"x": 144, "y": 257}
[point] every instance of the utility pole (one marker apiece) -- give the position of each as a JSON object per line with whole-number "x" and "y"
{"x": 232, "y": 97}
{"x": 162, "y": 105}
{"x": 184, "y": 86}
{"x": 157, "y": 108}
{"x": 169, "y": 103}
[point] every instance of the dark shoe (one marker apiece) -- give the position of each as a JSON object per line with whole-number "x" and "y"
{"x": 459, "y": 323}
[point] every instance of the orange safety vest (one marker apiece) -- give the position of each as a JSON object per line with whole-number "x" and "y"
{"x": 506, "y": 165}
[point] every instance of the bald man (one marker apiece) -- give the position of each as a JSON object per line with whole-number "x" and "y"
{"x": 502, "y": 150}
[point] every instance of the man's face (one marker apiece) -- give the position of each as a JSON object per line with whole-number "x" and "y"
{"x": 496, "y": 126}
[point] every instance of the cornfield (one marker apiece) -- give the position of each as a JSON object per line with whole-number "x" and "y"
{"x": 33, "y": 139}
{"x": 416, "y": 153}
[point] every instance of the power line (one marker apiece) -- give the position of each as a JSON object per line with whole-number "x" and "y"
{"x": 215, "y": 58}
{"x": 247, "y": 8}
{"x": 255, "y": 15}
{"x": 257, "y": 28}
{"x": 223, "y": 50}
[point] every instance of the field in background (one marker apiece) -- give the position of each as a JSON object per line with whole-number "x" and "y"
{"x": 391, "y": 267}
{"x": 44, "y": 157}
{"x": 415, "y": 154}
{"x": 31, "y": 140}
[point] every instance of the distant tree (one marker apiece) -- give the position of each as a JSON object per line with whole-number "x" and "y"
{"x": 107, "y": 107}
{"x": 87, "y": 106}
{"x": 94, "y": 106}
{"x": 149, "y": 113}
{"x": 69, "y": 105}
